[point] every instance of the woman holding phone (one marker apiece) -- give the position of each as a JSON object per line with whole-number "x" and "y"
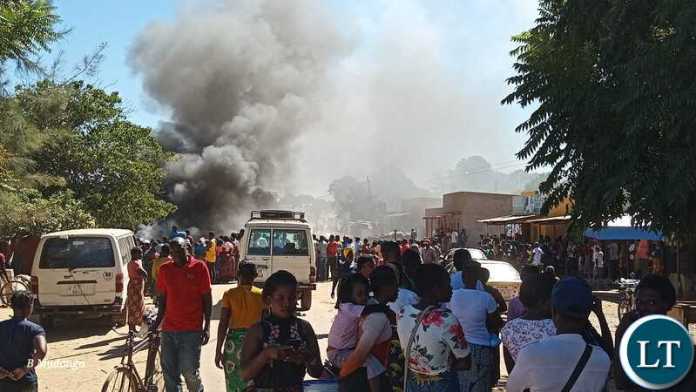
{"x": 280, "y": 349}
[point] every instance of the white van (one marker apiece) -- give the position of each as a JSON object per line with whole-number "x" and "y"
{"x": 281, "y": 240}
{"x": 82, "y": 272}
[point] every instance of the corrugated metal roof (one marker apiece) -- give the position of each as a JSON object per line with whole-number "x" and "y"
{"x": 504, "y": 220}
{"x": 553, "y": 219}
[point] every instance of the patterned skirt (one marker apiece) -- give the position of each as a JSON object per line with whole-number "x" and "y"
{"x": 478, "y": 378}
{"x": 233, "y": 349}
{"x": 444, "y": 382}
{"x": 136, "y": 301}
{"x": 395, "y": 363}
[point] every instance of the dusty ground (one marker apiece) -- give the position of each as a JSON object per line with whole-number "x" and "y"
{"x": 81, "y": 353}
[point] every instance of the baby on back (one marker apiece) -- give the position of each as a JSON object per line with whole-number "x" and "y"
{"x": 343, "y": 336}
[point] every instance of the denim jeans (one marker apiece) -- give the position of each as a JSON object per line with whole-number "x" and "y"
{"x": 447, "y": 382}
{"x": 478, "y": 378}
{"x": 322, "y": 270}
{"x": 181, "y": 355}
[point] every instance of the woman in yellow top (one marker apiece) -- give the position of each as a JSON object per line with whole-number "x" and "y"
{"x": 242, "y": 307}
{"x": 211, "y": 256}
{"x": 164, "y": 257}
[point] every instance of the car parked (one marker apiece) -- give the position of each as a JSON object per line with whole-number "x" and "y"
{"x": 503, "y": 276}
{"x": 277, "y": 240}
{"x": 82, "y": 272}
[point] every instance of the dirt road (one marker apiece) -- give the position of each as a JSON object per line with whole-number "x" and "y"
{"x": 81, "y": 353}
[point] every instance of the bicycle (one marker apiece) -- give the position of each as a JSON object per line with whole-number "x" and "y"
{"x": 627, "y": 291}
{"x": 11, "y": 286}
{"x": 125, "y": 377}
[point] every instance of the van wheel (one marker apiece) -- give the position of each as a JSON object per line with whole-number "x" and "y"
{"x": 122, "y": 318}
{"x": 306, "y": 300}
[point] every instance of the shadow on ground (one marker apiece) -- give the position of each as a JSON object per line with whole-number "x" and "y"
{"x": 68, "y": 329}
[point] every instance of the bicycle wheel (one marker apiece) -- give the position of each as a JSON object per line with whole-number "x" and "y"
{"x": 623, "y": 307}
{"x": 153, "y": 371}
{"x": 122, "y": 379}
{"x": 158, "y": 376}
{"x": 10, "y": 288}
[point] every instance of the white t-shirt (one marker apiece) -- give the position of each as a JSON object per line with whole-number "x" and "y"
{"x": 599, "y": 259}
{"x": 546, "y": 366}
{"x": 455, "y": 236}
{"x": 457, "y": 282}
{"x": 472, "y": 307}
{"x": 405, "y": 297}
{"x": 537, "y": 253}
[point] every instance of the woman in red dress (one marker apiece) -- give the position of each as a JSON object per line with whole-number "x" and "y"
{"x": 228, "y": 262}
{"x": 136, "y": 289}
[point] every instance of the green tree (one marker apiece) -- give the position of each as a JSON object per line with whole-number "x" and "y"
{"x": 613, "y": 86}
{"x": 114, "y": 167}
{"x": 28, "y": 212}
{"x": 27, "y": 27}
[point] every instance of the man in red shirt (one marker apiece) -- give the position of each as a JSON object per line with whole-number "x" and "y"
{"x": 332, "y": 261}
{"x": 185, "y": 305}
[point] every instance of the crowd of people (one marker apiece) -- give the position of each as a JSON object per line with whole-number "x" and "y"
{"x": 338, "y": 256}
{"x": 403, "y": 322}
{"x": 401, "y": 325}
{"x": 589, "y": 258}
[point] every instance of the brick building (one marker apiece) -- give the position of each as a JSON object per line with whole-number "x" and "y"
{"x": 463, "y": 210}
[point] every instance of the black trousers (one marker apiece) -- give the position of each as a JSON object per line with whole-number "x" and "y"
{"x": 15, "y": 386}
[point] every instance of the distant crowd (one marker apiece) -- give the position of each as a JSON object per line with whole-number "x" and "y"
{"x": 590, "y": 259}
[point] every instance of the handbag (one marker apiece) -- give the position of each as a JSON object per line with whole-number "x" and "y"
{"x": 411, "y": 338}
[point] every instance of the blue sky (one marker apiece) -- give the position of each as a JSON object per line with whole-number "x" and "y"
{"x": 117, "y": 23}
{"x": 469, "y": 53}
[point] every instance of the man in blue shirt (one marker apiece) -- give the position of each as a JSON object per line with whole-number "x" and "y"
{"x": 22, "y": 347}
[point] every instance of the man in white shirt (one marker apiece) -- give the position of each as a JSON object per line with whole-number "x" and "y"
{"x": 547, "y": 365}
{"x": 537, "y": 253}
{"x": 598, "y": 262}
{"x": 428, "y": 253}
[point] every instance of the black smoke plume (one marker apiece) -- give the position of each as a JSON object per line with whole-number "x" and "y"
{"x": 239, "y": 79}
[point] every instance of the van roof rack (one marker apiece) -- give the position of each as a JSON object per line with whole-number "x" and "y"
{"x": 278, "y": 214}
